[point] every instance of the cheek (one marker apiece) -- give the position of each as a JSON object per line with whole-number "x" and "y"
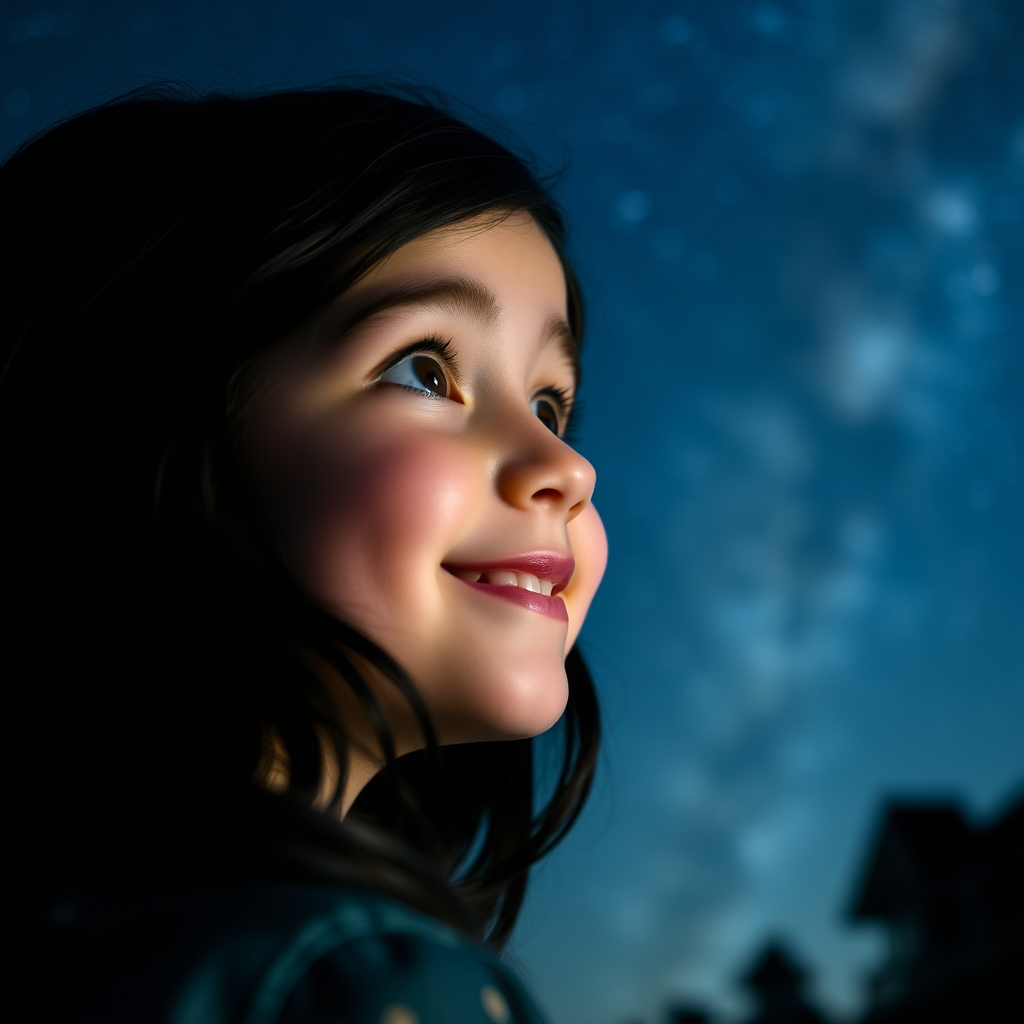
{"x": 590, "y": 550}
{"x": 374, "y": 521}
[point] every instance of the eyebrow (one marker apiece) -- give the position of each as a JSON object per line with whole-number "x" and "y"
{"x": 462, "y": 296}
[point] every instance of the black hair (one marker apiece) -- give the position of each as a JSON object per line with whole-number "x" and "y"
{"x": 152, "y": 248}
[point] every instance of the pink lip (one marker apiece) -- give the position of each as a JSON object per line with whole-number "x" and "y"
{"x": 548, "y": 565}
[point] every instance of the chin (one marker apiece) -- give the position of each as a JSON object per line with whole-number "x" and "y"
{"x": 518, "y": 708}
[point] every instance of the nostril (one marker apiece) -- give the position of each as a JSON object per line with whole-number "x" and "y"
{"x": 576, "y": 510}
{"x": 548, "y": 493}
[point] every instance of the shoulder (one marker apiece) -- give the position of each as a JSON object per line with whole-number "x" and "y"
{"x": 276, "y": 953}
{"x": 365, "y": 959}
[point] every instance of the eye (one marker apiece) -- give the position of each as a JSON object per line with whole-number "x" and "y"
{"x": 419, "y": 372}
{"x": 548, "y": 412}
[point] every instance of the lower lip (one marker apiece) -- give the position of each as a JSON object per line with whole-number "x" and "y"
{"x": 551, "y": 606}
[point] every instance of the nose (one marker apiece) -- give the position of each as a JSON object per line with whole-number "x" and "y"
{"x": 541, "y": 470}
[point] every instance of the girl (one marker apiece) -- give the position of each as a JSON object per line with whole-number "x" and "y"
{"x": 294, "y": 556}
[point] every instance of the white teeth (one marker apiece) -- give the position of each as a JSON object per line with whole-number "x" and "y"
{"x": 527, "y": 581}
{"x": 500, "y": 578}
{"x": 508, "y": 578}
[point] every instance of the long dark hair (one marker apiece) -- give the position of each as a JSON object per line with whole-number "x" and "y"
{"x": 151, "y": 248}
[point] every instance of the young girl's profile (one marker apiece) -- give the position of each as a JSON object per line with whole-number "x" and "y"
{"x": 295, "y": 553}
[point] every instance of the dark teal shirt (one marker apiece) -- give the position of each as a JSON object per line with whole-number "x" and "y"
{"x": 271, "y": 953}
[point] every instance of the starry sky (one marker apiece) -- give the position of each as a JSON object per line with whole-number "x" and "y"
{"x": 799, "y": 228}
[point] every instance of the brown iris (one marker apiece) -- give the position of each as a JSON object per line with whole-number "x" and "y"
{"x": 428, "y": 373}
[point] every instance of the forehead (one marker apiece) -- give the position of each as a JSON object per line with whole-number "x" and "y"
{"x": 488, "y": 267}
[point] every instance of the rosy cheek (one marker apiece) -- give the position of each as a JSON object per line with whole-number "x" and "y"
{"x": 375, "y": 526}
{"x": 590, "y": 550}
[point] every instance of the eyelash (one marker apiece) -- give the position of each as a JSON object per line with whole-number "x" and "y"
{"x": 435, "y": 346}
{"x": 571, "y": 410}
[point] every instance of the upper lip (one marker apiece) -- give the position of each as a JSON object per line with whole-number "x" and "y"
{"x": 545, "y": 565}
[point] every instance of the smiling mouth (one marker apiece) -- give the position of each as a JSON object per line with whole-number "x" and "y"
{"x": 506, "y": 578}
{"x": 532, "y": 581}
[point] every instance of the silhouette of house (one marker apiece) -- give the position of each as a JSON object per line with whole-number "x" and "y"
{"x": 687, "y": 1013}
{"x": 950, "y": 897}
{"x": 776, "y": 982}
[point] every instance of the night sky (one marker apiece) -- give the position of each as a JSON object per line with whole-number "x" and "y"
{"x": 800, "y": 228}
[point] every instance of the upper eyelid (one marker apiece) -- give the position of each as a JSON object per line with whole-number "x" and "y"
{"x": 568, "y": 406}
{"x": 565, "y": 397}
{"x": 442, "y": 349}
{"x": 435, "y": 346}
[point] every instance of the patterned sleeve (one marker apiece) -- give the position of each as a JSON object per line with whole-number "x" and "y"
{"x": 407, "y": 978}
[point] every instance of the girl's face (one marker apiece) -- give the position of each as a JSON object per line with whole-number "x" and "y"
{"x": 411, "y": 455}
